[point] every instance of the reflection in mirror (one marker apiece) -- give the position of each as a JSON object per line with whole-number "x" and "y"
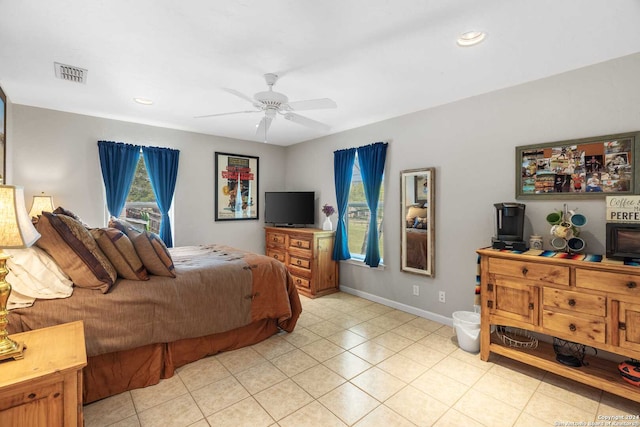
{"x": 418, "y": 231}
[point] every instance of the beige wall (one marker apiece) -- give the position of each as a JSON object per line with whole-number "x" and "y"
{"x": 57, "y": 153}
{"x": 471, "y": 143}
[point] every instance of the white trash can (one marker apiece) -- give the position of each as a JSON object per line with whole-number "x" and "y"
{"x": 467, "y": 327}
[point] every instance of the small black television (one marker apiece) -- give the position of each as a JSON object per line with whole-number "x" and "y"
{"x": 289, "y": 208}
{"x": 623, "y": 240}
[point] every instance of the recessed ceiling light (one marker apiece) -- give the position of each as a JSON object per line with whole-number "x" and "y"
{"x": 471, "y": 38}
{"x": 143, "y": 101}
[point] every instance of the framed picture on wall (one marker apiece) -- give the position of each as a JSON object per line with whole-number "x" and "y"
{"x": 421, "y": 188}
{"x": 579, "y": 168}
{"x": 236, "y": 187}
{"x": 3, "y": 136}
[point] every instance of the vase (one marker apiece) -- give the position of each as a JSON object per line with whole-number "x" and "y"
{"x": 327, "y": 225}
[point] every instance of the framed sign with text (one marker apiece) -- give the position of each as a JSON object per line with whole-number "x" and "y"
{"x": 236, "y": 187}
{"x": 623, "y": 209}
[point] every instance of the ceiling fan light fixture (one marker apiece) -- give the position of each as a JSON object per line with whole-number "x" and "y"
{"x": 471, "y": 38}
{"x": 272, "y": 103}
{"x": 272, "y": 98}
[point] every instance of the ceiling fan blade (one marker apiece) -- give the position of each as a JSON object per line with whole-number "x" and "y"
{"x": 263, "y": 127}
{"x": 312, "y": 104}
{"x": 241, "y": 95}
{"x": 226, "y": 114}
{"x": 305, "y": 121}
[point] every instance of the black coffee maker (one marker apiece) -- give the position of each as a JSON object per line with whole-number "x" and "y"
{"x": 509, "y": 227}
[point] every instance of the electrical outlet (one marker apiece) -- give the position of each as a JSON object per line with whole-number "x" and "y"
{"x": 441, "y": 296}
{"x": 416, "y": 290}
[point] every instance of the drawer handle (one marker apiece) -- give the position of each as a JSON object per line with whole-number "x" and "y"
{"x": 631, "y": 285}
{"x": 56, "y": 395}
{"x": 299, "y": 243}
{"x": 572, "y": 327}
{"x": 275, "y": 256}
{"x": 531, "y": 306}
{"x": 572, "y": 302}
{"x": 298, "y": 262}
{"x": 525, "y": 271}
{"x": 31, "y": 396}
{"x": 298, "y": 281}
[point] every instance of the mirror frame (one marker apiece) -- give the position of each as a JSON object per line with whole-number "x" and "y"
{"x": 417, "y": 190}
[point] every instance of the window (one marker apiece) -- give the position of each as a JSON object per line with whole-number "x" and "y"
{"x": 141, "y": 208}
{"x": 358, "y": 215}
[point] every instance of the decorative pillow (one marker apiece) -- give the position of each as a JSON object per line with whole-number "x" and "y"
{"x": 62, "y": 211}
{"x": 120, "y": 251}
{"x": 152, "y": 251}
{"x": 421, "y": 223}
{"x": 415, "y": 211}
{"x": 411, "y": 221}
{"x": 34, "y": 274}
{"x": 76, "y": 252}
{"x": 122, "y": 225}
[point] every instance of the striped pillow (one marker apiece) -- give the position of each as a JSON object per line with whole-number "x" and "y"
{"x": 152, "y": 251}
{"x": 149, "y": 246}
{"x": 121, "y": 253}
{"x": 75, "y": 251}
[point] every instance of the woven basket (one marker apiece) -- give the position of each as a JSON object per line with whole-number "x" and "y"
{"x": 516, "y": 337}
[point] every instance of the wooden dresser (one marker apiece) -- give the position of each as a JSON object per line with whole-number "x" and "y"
{"x": 45, "y": 387}
{"x": 592, "y": 303}
{"x": 307, "y": 254}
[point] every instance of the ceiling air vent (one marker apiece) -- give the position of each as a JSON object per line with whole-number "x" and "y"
{"x": 70, "y": 73}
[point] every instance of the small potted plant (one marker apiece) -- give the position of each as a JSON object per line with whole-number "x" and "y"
{"x": 328, "y": 210}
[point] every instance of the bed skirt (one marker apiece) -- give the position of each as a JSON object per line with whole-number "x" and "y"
{"x": 113, "y": 373}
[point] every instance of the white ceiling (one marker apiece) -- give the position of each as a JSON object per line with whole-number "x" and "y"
{"x": 376, "y": 58}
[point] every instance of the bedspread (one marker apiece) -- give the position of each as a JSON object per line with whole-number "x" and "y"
{"x": 217, "y": 289}
{"x": 417, "y": 249}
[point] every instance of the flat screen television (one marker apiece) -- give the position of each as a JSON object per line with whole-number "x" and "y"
{"x": 623, "y": 240}
{"x": 289, "y": 208}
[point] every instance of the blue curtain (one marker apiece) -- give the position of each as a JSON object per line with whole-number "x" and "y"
{"x": 118, "y": 163}
{"x": 371, "y": 159}
{"x": 162, "y": 167}
{"x": 343, "y": 171}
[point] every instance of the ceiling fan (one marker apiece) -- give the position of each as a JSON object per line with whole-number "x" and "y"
{"x": 272, "y": 103}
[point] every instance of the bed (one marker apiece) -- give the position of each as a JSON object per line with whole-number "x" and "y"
{"x": 416, "y": 248}
{"x": 212, "y": 298}
{"x": 416, "y": 237}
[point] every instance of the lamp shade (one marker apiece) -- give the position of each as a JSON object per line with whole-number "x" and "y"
{"x": 16, "y": 229}
{"x": 41, "y": 204}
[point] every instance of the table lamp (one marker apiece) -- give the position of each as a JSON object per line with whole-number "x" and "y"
{"x": 41, "y": 204}
{"x": 16, "y": 231}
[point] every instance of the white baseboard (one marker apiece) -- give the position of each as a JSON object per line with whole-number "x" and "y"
{"x": 399, "y": 306}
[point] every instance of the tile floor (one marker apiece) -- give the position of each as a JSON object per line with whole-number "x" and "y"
{"x": 352, "y": 362}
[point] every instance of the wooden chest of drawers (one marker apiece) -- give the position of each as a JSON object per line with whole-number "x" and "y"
{"x": 591, "y": 303}
{"x": 307, "y": 254}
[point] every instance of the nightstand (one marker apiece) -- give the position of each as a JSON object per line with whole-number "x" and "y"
{"x": 45, "y": 387}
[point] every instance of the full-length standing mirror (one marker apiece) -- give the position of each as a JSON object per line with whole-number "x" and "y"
{"x": 417, "y": 188}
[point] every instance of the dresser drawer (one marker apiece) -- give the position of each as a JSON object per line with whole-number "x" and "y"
{"x": 578, "y": 302}
{"x": 301, "y": 282}
{"x": 299, "y": 262}
{"x": 299, "y": 271}
{"x": 275, "y": 239}
{"x": 530, "y": 271}
{"x": 580, "y": 327}
{"x": 606, "y": 281}
{"x": 299, "y": 243}
{"x": 276, "y": 254}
